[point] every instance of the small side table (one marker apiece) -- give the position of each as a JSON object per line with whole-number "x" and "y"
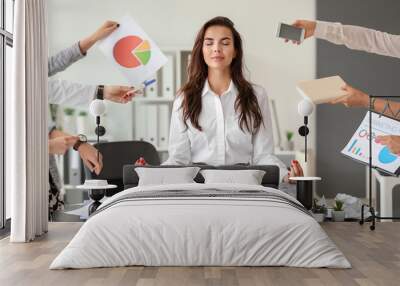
{"x": 96, "y": 193}
{"x": 305, "y": 190}
{"x": 387, "y": 184}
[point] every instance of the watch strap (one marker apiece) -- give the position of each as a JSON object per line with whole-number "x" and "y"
{"x": 100, "y": 92}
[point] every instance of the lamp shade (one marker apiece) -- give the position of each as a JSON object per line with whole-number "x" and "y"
{"x": 305, "y": 107}
{"x": 97, "y": 107}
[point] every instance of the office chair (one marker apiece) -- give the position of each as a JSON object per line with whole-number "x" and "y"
{"x": 118, "y": 154}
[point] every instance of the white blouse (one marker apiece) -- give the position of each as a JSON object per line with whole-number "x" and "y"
{"x": 222, "y": 142}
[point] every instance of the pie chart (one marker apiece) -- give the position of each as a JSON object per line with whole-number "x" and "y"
{"x": 386, "y": 157}
{"x": 132, "y": 51}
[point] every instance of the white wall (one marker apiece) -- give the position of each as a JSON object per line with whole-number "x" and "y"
{"x": 272, "y": 63}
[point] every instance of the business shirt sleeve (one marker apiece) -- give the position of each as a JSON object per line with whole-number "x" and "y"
{"x": 263, "y": 140}
{"x": 179, "y": 144}
{"x": 359, "y": 38}
{"x": 64, "y": 59}
{"x": 70, "y": 93}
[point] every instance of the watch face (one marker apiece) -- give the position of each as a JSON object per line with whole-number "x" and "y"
{"x": 82, "y": 138}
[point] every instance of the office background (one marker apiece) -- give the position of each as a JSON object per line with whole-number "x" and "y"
{"x": 371, "y": 73}
{"x": 270, "y": 62}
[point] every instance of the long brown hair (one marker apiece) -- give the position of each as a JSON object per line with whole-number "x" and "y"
{"x": 246, "y": 102}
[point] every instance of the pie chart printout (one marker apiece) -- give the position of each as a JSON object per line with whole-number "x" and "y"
{"x": 132, "y": 51}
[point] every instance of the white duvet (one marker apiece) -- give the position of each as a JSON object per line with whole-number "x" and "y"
{"x": 200, "y": 231}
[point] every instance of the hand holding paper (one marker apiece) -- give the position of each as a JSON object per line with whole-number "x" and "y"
{"x": 385, "y": 143}
{"x": 133, "y": 52}
{"x": 106, "y": 29}
{"x": 391, "y": 141}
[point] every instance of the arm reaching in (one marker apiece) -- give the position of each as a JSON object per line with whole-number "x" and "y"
{"x": 106, "y": 29}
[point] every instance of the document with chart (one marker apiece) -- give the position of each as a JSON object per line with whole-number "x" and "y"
{"x": 133, "y": 52}
{"x": 382, "y": 158}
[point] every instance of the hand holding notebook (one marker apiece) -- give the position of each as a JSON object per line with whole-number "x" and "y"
{"x": 322, "y": 90}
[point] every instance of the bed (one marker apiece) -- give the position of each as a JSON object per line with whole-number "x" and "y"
{"x": 198, "y": 224}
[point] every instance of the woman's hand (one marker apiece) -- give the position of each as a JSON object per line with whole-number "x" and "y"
{"x": 391, "y": 141}
{"x": 120, "y": 94}
{"x": 106, "y": 29}
{"x": 352, "y": 98}
{"x": 89, "y": 157}
{"x": 295, "y": 171}
{"x": 308, "y": 26}
{"x": 60, "y": 145}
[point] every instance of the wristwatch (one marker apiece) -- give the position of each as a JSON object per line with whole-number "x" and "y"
{"x": 100, "y": 92}
{"x": 82, "y": 139}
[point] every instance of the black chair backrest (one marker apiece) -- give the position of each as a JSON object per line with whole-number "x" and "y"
{"x": 270, "y": 179}
{"x": 116, "y": 155}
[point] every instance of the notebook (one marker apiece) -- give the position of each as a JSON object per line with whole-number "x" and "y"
{"x": 322, "y": 90}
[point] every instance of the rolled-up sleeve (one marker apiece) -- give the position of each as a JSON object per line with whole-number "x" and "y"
{"x": 64, "y": 59}
{"x": 179, "y": 145}
{"x": 359, "y": 38}
{"x": 263, "y": 140}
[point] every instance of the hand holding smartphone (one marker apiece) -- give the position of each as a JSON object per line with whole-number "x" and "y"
{"x": 289, "y": 32}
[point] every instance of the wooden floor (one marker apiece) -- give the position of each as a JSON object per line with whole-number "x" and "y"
{"x": 374, "y": 255}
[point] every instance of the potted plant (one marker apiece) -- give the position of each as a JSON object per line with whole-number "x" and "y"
{"x": 318, "y": 211}
{"x": 338, "y": 212}
{"x": 289, "y": 144}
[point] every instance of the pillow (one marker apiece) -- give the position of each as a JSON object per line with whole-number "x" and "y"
{"x": 166, "y": 176}
{"x": 248, "y": 177}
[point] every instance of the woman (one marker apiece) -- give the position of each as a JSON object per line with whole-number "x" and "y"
{"x": 219, "y": 118}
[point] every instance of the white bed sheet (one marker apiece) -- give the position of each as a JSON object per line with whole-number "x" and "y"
{"x": 206, "y": 231}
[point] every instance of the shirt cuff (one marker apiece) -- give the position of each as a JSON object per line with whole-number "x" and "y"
{"x": 321, "y": 29}
{"x": 78, "y": 52}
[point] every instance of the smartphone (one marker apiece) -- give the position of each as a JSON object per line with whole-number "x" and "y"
{"x": 290, "y": 32}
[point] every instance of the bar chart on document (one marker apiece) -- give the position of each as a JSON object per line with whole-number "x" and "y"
{"x": 358, "y": 146}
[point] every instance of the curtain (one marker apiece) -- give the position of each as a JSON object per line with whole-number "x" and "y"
{"x": 26, "y": 117}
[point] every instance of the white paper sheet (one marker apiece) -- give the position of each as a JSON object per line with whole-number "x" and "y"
{"x": 358, "y": 146}
{"x": 133, "y": 52}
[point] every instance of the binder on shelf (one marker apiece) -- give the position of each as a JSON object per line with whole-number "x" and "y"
{"x": 152, "y": 90}
{"x": 168, "y": 79}
{"x": 163, "y": 124}
{"x": 185, "y": 62}
{"x": 140, "y": 122}
{"x": 151, "y": 123}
